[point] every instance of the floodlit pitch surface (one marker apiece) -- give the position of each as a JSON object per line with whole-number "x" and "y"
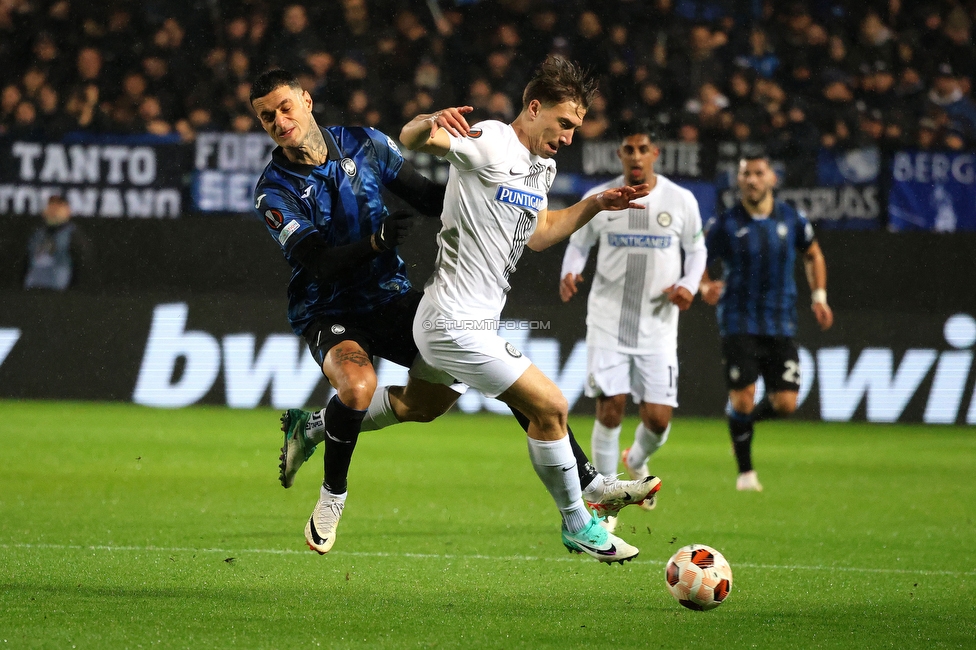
{"x": 125, "y": 527}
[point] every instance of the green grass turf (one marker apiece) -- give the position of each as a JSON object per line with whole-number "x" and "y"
{"x": 126, "y": 527}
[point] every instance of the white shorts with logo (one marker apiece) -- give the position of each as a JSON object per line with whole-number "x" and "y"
{"x": 651, "y": 378}
{"x": 467, "y": 351}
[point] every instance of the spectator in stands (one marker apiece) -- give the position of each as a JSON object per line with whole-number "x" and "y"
{"x": 947, "y": 96}
{"x": 798, "y": 141}
{"x": 296, "y": 39}
{"x": 957, "y": 48}
{"x": 356, "y": 32}
{"x": 587, "y": 42}
{"x": 596, "y": 124}
{"x": 10, "y": 97}
{"x": 121, "y": 34}
{"x": 926, "y": 134}
{"x": 540, "y": 33}
{"x": 878, "y": 87}
{"x": 838, "y": 62}
{"x": 151, "y": 116}
{"x": 52, "y": 119}
{"x": 83, "y": 111}
{"x": 651, "y": 108}
{"x": 46, "y": 56}
{"x": 88, "y": 71}
{"x": 618, "y": 86}
{"x": 58, "y": 254}
{"x": 698, "y": 64}
{"x": 835, "y": 109}
{"x": 159, "y": 82}
{"x": 25, "y": 124}
{"x": 198, "y": 120}
{"x": 876, "y": 42}
{"x": 761, "y": 58}
{"x": 506, "y": 77}
{"x": 500, "y": 108}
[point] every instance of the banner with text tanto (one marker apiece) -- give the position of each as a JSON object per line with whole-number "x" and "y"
{"x": 100, "y": 176}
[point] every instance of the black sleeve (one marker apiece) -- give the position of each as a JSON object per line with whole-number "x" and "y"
{"x": 328, "y": 263}
{"x": 420, "y": 192}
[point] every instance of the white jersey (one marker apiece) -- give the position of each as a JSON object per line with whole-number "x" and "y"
{"x": 495, "y": 192}
{"x": 638, "y": 258}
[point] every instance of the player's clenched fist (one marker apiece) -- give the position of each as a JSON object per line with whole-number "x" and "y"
{"x": 567, "y": 286}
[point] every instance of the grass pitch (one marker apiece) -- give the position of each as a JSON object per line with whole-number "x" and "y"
{"x": 126, "y": 527}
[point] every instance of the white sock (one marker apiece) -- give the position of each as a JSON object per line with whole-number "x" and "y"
{"x": 554, "y": 463}
{"x": 325, "y": 495}
{"x": 380, "y": 413}
{"x": 315, "y": 427}
{"x": 606, "y": 448}
{"x": 646, "y": 442}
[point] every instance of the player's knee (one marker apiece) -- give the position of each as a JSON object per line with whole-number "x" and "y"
{"x": 610, "y": 410}
{"x": 784, "y": 403}
{"x": 611, "y": 419}
{"x": 358, "y": 392}
{"x": 553, "y": 411}
{"x": 657, "y": 422}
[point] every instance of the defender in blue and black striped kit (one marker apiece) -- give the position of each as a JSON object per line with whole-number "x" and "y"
{"x": 349, "y": 296}
{"x": 757, "y": 241}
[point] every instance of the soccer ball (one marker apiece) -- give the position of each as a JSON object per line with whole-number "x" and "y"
{"x": 699, "y": 577}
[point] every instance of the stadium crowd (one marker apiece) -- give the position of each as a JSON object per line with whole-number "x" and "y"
{"x": 791, "y": 76}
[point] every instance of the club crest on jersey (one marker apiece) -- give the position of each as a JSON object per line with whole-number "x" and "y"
{"x": 348, "y": 166}
{"x": 782, "y": 230}
{"x": 273, "y": 218}
{"x": 474, "y": 132}
{"x": 664, "y": 219}
{"x": 338, "y": 329}
{"x": 392, "y": 144}
{"x": 512, "y": 350}
{"x": 519, "y": 198}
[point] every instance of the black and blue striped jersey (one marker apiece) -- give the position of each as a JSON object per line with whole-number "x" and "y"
{"x": 758, "y": 258}
{"x": 342, "y": 200}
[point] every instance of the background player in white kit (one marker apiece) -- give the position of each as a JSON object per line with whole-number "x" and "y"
{"x": 496, "y": 203}
{"x": 632, "y": 311}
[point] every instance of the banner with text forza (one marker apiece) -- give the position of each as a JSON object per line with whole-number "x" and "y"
{"x": 933, "y": 190}
{"x": 100, "y": 176}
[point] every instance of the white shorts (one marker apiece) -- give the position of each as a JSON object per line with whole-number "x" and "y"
{"x": 423, "y": 371}
{"x": 651, "y": 378}
{"x": 478, "y": 357}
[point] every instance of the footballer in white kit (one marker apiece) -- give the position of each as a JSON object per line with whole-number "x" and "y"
{"x": 500, "y": 194}
{"x": 638, "y": 289}
{"x": 495, "y": 205}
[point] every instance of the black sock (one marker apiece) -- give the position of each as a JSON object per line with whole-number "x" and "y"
{"x": 584, "y": 468}
{"x": 342, "y": 426}
{"x": 764, "y": 410}
{"x": 740, "y": 429}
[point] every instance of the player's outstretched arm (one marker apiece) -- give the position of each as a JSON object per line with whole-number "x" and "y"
{"x": 429, "y": 132}
{"x": 816, "y": 270}
{"x": 556, "y": 225}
